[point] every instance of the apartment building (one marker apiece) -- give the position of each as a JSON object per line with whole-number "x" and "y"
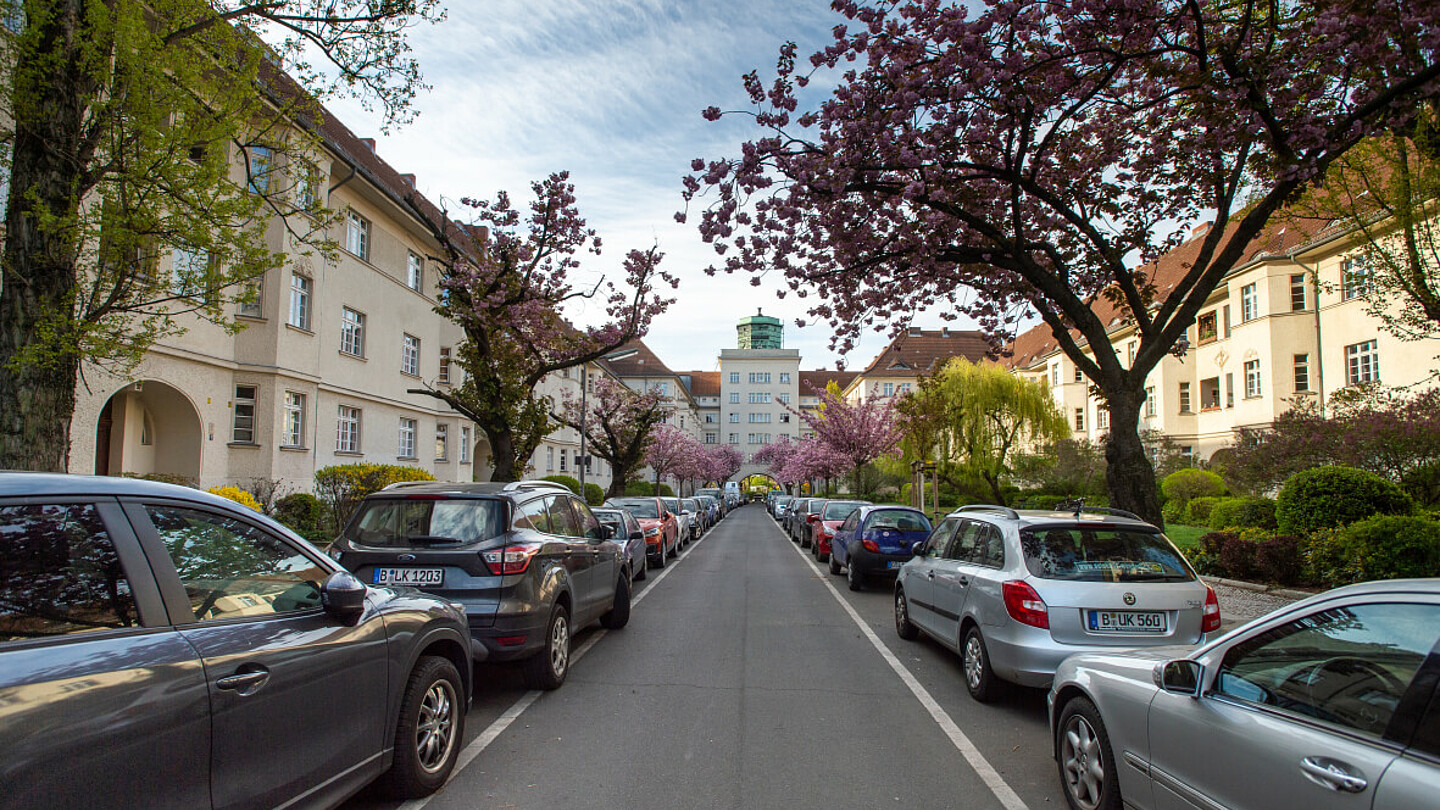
{"x": 914, "y": 353}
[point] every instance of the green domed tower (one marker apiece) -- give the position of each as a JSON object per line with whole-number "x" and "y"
{"x": 759, "y": 331}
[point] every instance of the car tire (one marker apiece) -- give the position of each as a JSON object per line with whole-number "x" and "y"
{"x": 980, "y": 678}
{"x": 834, "y": 565}
{"x": 904, "y": 628}
{"x": 428, "y": 729}
{"x": 619, "y": 613}
{"x": 547, "y": 669}
{"x": 644, "y": 571}
{"x": 854, "y": 578}
{"x": 1083, "y": 740}
{"x": 658, "y": 561}
{"x": 821, "y": 556}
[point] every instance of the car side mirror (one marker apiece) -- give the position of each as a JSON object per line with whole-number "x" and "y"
{"x": 917, "y": 549}
{"x": 1181, "y": 676}
{"x": 604, "y": 532}
{"x": 343, "y": 596}
{"x": 640, "y": 535}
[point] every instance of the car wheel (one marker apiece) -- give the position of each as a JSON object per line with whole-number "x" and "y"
{"x": 619, "y": 613}
{"x": 1087, "y": 769}
{"x": 547, "y": 669}
{"x": 854, "y": 578}
{"x": 904, "y": 628}
{"x": 979, "y": 676}
{"x": 821, "y": 556}
{"x": 834, "y": 565}
{"x": 428, "y": 729}
{"x": 644, "y": 571}
{"x": 658, "y": 561}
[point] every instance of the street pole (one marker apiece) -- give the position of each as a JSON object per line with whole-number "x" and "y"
{"x": 584, "y": 414}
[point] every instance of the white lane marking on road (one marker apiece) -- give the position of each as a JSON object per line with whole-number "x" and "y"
{"x": 982, "y": 767}
{"x": 478, "y": 745}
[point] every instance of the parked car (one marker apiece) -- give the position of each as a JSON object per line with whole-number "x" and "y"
{"x": 712, "y": 508}
{"x": 700, "y": 515}
{"x": 714, "y": 492}
{"x": 1331, "y": 702}
{"x": 1014, "y": 593}
{"x": 804, "y": 520}
{"x": 662, "y": 528}
{"x": 164, "y": 647}
{"x": 626, "y": 530}
{"x": 528, "y": 561}
{"x": 875, "y": 541}
{"x": 777, "y": 507}
{"x": 831, "y": 515}
{"x": 794, "y": 514}
{"x": 685, "y": 519}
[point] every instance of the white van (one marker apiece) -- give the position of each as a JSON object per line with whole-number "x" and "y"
{"x": 732, "y": 491}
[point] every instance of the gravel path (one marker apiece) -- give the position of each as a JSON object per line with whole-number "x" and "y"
{"x": 1240, "y": 605}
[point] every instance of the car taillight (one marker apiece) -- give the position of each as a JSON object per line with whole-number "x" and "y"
{"x": 811, "y": 518}
{"x": 509, "y": 560}
{"x": 871, "y": 545}
{"x": 1025, "y": 605}
{"x": 1211, "y": 622}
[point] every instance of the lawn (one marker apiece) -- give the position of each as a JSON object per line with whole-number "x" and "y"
{"x": 1185, "y": 536}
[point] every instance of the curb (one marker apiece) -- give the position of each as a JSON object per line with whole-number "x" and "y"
{"x": 1287, "y": 593}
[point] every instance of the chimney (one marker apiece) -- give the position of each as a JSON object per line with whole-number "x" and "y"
{"x": 409, "y": 179}
{"x": 914, "y": 331}
{"x": 944, "y": 331}
{"x": 370, "y": 142}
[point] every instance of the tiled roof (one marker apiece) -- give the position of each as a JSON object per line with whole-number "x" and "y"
{"x": 817, "y": 380}
{"x": 644, "y": 363}
{"x": 1277, "y": 240}
{"x": 920, "y": 351}
{"x": 704, "y": 383}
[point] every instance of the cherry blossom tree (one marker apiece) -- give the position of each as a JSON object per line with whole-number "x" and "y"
{"x": 775, "y": 456}
{"x": 814, "y": 459}
{"x": 673, "y": 452}
{"x": 1032, "y": 157}
{"x": 506, "y": 278}
{"x": 857, "y": 432}
{"x": 619, "y": 426}
{"x": 725, "y": 461}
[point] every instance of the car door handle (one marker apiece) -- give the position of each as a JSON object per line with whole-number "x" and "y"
{"x": 964, "y": 581}
{"x": 929, "y": 574}
{"x": 246, "y": 681}
{"x": 1333, "y": 774}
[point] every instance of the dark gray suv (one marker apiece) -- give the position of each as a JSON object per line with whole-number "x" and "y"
{"x": 164, "y": 647}
{"x": 527, "y": 561}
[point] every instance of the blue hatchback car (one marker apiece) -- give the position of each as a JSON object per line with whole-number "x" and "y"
{"x": 876, "y": 540}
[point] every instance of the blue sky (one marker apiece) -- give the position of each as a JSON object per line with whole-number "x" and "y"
{"x": 611, "y": 91}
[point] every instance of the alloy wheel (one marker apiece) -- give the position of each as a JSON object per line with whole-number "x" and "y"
{"x": 435, "y": 731}
{"x": 974, "y": 661}
{"x": 560, "y": 647}
{"x": 1082, "y": 763}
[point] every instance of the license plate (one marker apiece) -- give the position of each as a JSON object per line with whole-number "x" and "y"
{"x": 1126, "y": 621}
{"x": 410, "y": 576}
{"x": 893, "y": 564}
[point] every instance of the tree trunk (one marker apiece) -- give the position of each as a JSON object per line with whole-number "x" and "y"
{"x": 49, "y": 95}
{"x": 1128, "y": 473}
{"x": 502, "y": 448}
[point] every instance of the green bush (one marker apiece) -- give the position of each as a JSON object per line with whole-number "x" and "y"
{"x": 566, "y": 481}
{"x": 666, "y": 491}
{"x": 1278, "y": 560}
{"x": 1393, "y": 547}
{"x": 594, "y": 495}
{"x": 1044, "y": 501}
{"x": 1423, "y": 484}
{"x": 1212, "y": 542}
{"x": 1187, "y": 484}
{"x": 639, "y": 489}
{"x": 164, "y": 478}
{"x": 1197, "y": 512}
{"x": 305, "y": 514}
{"x": 1328, "y": 497}
{"x": 342, "y": 487}
{"x": 1242, "y": 513}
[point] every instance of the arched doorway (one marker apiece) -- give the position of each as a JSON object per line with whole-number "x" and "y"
{"x": 759, "y": 483}
{"x": 148, "y": 428}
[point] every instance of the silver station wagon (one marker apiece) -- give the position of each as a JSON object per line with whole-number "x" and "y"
{"x": 1015, "y": 593}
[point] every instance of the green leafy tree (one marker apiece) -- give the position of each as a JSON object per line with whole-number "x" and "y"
{"x": 152, "y": 148}
{"x": 970, "y": 418}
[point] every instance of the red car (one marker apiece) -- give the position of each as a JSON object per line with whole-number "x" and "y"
{"x": 822, "y": 528}
{"x": 662, "y": 527}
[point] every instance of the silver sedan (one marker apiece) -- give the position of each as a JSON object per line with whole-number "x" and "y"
{"x": 1332, "y": 702}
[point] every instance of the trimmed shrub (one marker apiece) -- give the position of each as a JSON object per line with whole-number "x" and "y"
{"x": 1174, "y": 511}
{"x": 1242, "y": 513}
{"x": 303, "y": 513}
{"x": 666, "y": 491}
{"x": 1187, "y": 484}
{"x": 342, "y": 487}
{"x": 1237, "y": 557}
{"x": 594, "y": 495}
{"x": 1044, "y": 501}
{"x": 1197, "y": 512}
{"x": 1394, "y": 547}
{"x": 1212, "y": 542}
{"x": 1423, "y": 484}
{"x": 237, "y": 495}
{"x": 1278, "y": 560}
{"x": 164, "y": 478}
{"x": 572, "y": 484}
{"x": 1327, "y": 497}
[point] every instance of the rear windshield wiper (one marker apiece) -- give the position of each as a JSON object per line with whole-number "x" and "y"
{"x": 431, "y": 540}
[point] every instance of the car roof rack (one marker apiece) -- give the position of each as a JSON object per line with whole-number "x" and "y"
{"x": 990, "y": 507}
{"x": 533, "y": 484}
{"x": 404, "y": 484}
{"x": 1077, "y": 505}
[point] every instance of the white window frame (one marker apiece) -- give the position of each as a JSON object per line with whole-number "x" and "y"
{"x": 261, "y": 160}
{"x": 784, "y": 378}
{"x": 293, "y": 430}
{"x": 357, "y": 235}
{"x": 1249, "y": 302}
{"x": 352, "y": 332}
{"x": 1362, "y": 362}
{"x": 442, "y": 442}
{"x": 414, "y": 271}
{"x": 734, "y": 378}
{"x": 405, "y": 443}
{"x": 1079, "y": 420}
{"x": 443, "y": 376}
{"x": 1186, "y": 405}
{"x": 1299, "y": 299}
{"x": 347, "y": 429}
{"x": 1254, "y": 384}
{"x": 464, "y": 444}
{"x": 1302, "y": 371}
{"x": 301, "y": 287}
{"x": 194, "y": 262}
{"x": 242, "y": 418}
{"x": 1356, "y": 278}
{"x": 1149, "y": 400}
{"x": 410, "y": 355}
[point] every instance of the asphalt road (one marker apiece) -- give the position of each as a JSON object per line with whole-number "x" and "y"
{"x": 742, "y": 681}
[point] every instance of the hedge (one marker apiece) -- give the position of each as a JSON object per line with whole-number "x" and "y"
{"x": 1197, "y": 512}
{"x": 594, "y": 495}
{"x": 1378, "y": 547}
{"x": 342, "y": 487}
{"x": 1329, "y": 497}
{"x": 1242, "y": 513}
{"x": 1190, "y": 483}
{"x": 304, "y": 514}
{"x": 237, "y": 495}
{"x": 566, "y": 481}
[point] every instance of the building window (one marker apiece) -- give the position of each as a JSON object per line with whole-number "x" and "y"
{"x": 1252, "y": 379}
{"x": 1055, "y": 376}
{"x": 250, "y": 299}
{"x": 1356, "y": 279}
{"x": 663, "y": 388}
{"x": 735, "y": 417}
{"x": 1297, "y": 292}
{"x": 1184, "y": 397}
{"x": 261, "y": 159}
{"x": 759, "y": 397}
{"x": 1225, "y": 319}
{"x": 243, "y": 419}
{"x": 734, "y": 377}
{"x": 549, "y": 459}
{"x": 410, "y": 356}
{"x": 709, "y": 418}
{"x": 1210, "y": 394}
{"x": 352, "y": 332}
{"x": 785, "y": 398}
{"x": 710, "y": 438}
{"x": 414, "y": 271}
{"x": 189, "y": 272}
{"x": 1362, "y": 363}
{"x": 1204, "y": 328}
{"x": 1302, "y": 372}
{"x": 734, "y": 397}
{"x": 357, "y": 235}
{"x": 1102, "y": 418}
{"x": 1150, "y": 400}
{"x": 1079, "y": 419}
{"x": 444, "y": 375}
{"x": 464, "y": 444}
{"x": 785, "y": 417}
{"x": 563, "y": 454}
{"x": 1249, "y": 302}
{"x": 347, "y": 430}
{"x": 888, "y": 389}
{"x": 1229, "y": 390}
{"x": 734, "y": 438}
{"x": 307, "y": 180}
{"x": 406, "y": 446}
{"x": 1130, "y": 354}
{"x": 784, "y": 378}
{"x": 293, "y": 434}
{"x": 759, "y": 377}
{"x": 300, "y": 301}
{"x": 442, "y": 442}
{"x": 762, "y": 418}
{"x": 1079, "y": 375}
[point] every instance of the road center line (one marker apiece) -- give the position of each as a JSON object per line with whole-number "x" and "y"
{"x": 982, "y": 767}
{"x": 478, "y": 745}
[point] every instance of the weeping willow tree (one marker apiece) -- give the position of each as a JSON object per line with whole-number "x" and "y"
{"x": 971, "y": 418}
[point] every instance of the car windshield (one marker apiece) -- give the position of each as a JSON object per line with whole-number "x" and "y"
{"x": 839, "y": 510}
{"x": 404, "y": 522}
{"x": 1102, "y": 554}
{"x": 641, "y": 509}
{"x": 691, "y": 504}
{"x": 673, "y": 504}
{"x": 900, "y": 520}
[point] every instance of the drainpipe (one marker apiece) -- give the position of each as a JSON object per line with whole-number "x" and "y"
{"x": 354, "y": 170}
{"x": 1314, "y": 274}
